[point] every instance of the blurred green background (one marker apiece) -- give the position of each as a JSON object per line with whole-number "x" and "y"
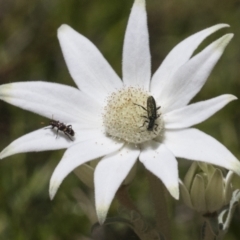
{"x": 29, "y": 50}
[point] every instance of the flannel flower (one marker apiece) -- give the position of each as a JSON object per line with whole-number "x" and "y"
{"x": 121, "y": 121}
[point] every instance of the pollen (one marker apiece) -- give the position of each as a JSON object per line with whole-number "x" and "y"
{"x": 126, "y": 116}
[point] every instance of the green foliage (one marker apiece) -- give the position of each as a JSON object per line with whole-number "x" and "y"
{"x": 29, "y": 50}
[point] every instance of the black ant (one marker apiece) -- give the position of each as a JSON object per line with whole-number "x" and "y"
{"x": 152, "y": 114}
{"x": 67, "y": 130}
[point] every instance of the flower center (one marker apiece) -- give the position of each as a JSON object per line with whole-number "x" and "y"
{"x": 133, "y": 115}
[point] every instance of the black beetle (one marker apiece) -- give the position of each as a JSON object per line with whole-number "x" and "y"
{"x": 152, "y": 114}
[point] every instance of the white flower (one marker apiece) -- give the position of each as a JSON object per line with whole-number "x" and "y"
{"x": 106, "y": 116}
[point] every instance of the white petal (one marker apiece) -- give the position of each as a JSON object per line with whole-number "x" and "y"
{"x": 190, "y": 78}
{"x": 195, "y": 145}
{"x": 136, "y": 53}
{"x": 179, "y": 55}
{"x": 52, "y": 100}
{"x": 88, "y": 68}
{"x": 161, "y": 162}
{"x": 80, "y": 153}
{"x": 109, "y": 174}
{"x": 196, "y": 112}
{"x": 37, "y": 141}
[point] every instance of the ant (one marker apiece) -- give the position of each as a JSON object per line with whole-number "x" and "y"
{"x": 152, "y": 114}
{"x": 67, "y": 130}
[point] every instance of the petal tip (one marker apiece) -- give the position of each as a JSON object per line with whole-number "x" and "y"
{"x": 5, "y": 153}
{"x": 63, "y": 28}
{"x": 174, "y": 191}
{"x": 236, "y": 167}
{"x": 221, "y": 43}
{"x": 2, "y": 155}
{"x": 232, "y": 98}
{"x": 222, "y": 25}
{"x": 54, "y": 185}
{"x": 230, "y": 35}
{"x": 101, "y": 214}
{"x": 227, "y": 38}
{"x": 4, "y": 89}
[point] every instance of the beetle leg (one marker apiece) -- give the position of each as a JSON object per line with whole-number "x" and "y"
{"x": 68, "y": 136}
{"x": 144, "y": 123}
{"x": 57, "y": 133}
{"x": 156, "y": 126}
{"x": 140, "y": 106}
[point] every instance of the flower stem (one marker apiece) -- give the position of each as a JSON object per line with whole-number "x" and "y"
{"x": 159, "y": 193}
{"x": 140, "y": 226}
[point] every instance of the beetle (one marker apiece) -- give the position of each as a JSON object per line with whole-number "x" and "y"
{"x": 152, "y": 114}
{"x": 67, "y": 130}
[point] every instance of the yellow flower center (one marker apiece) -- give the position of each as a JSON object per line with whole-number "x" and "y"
{"x": 133, "y": 115}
